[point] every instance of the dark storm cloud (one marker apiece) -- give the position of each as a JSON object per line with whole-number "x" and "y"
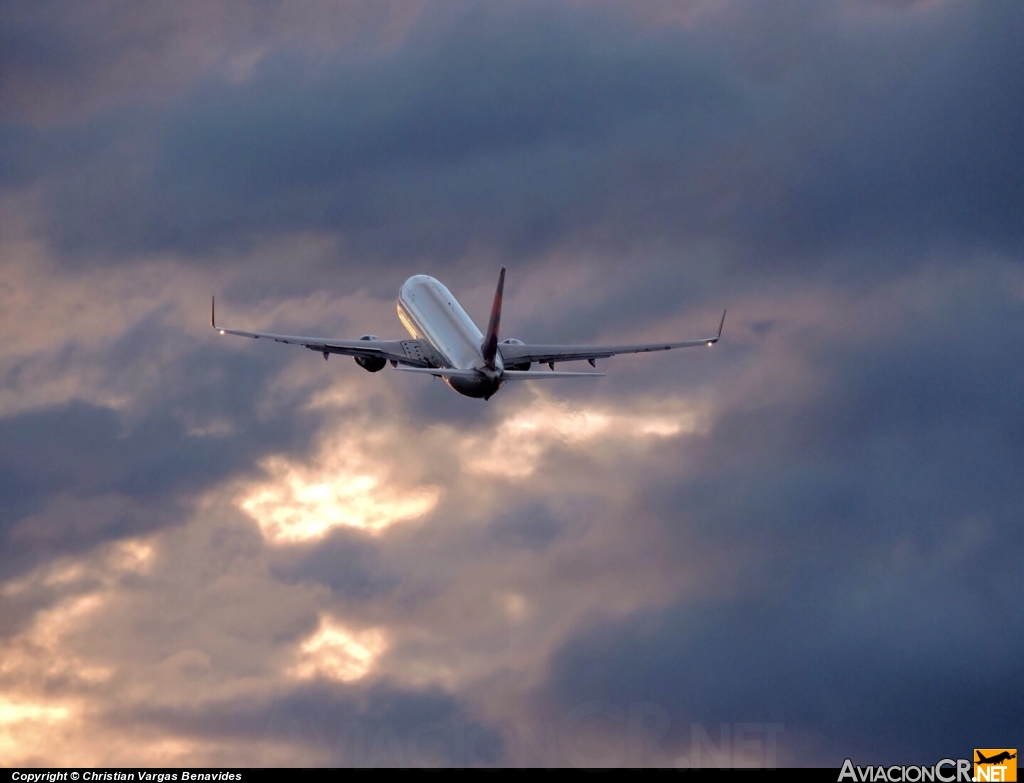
{"x": 83, "y": 451}
{"x": 38, "y": 44}
{"x": 839, "y": 553}
{"x": 382, "y": 725}
{"x": 523, "y": 133}
{"x": 872, "y": 529}
{"x": 345, "y": 560}
{"x": 919, "y": 147}
{"x": 60, "y": 61}
{"x": 878, "y": 684}
{"x": 149, "y": 461}
{"x": 421, "y": 154}
{"x": 533, "y": 528}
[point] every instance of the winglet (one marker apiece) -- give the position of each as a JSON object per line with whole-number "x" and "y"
{"x": 213, "y": 318}
{"x": 712, "y": 340}
{"x": 490, "y": 344}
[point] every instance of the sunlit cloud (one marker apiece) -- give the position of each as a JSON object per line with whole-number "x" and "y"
{"x": 343, "y": 486}
{"x": 43, "y": 649}
{"x": 520, "y": 441}
{"x": 43, "y": 671}
{"x": 17, "y": 712}
{"x": 516, "y": 606}
{"x": 24, "y": 724}
{"x": 338, "y": 653}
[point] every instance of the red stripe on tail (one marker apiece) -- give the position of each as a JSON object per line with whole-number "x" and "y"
{"x": 490, "y": 344}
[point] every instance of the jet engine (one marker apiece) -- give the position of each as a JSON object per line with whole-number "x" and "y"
{"x": 524, "y": 365}
{"x": 370, "y": 363}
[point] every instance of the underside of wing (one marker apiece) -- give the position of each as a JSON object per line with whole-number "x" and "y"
{"x": 512, "y": 353}
{"x": 416, "y": 353}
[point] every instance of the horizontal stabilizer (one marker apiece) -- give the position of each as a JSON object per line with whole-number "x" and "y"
{"x": 541, "y": 375}
{"x": 443, "y": 372}
{"x": 507, "y": 375}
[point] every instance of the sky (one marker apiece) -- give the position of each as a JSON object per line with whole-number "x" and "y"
{"x": 803, "y": 545}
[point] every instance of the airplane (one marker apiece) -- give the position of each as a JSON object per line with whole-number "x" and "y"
{"x": 447, "y": 344}
{"x": 1004, "y": 756}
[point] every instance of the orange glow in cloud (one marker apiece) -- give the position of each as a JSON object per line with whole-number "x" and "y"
{"x": 343, "y": 486}
{"x": 24, "y": 723}
{"x": 518, "y": 444}
{"x": 337, "y": 653}
{"x": 31, "y": 718}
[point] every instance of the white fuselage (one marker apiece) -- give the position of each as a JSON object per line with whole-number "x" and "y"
{"x": 429, "y": 312}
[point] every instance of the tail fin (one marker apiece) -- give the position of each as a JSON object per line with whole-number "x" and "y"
{"x": 490, "y": 344}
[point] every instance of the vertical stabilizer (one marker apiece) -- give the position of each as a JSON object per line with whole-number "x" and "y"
{"x": 490, "y": 344}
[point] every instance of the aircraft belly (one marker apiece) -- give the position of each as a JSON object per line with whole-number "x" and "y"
{"x": 483, "y": 386}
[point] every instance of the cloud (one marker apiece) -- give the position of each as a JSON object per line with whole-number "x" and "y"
{"x": 343, "y": 487}
{"x": 863, "y": 541}
{"x": 60, "y": 66}
{"x": 418, "y": 157}
{"x": 808, "y": 528}
{"x": 222, "y": 551}
{"x": 328, "y": 725}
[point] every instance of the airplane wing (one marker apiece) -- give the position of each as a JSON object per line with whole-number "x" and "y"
{"x": 410, "y": 352}
{"x": 549, "y": 354}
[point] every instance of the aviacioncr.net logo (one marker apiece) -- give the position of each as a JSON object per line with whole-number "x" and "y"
{"x": 945, "y": 771}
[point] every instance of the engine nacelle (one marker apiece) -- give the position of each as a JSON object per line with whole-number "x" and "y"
{"x": 370, "y": 363}
{"x": 522, "y": 366}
